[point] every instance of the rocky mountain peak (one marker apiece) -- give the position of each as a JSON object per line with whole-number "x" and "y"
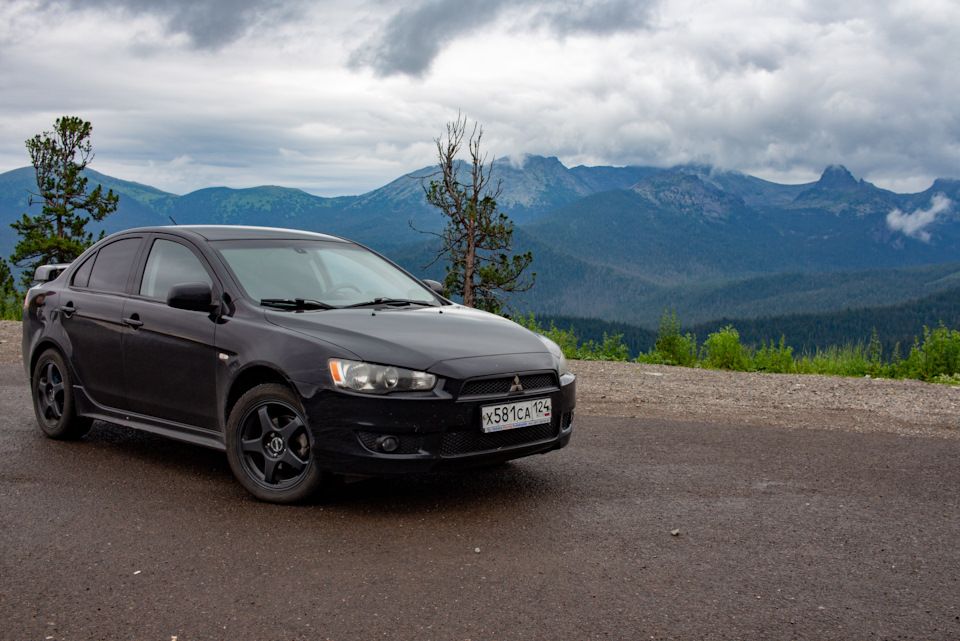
{"x": 837, "y": 177}
{"x": 687, "y": 193}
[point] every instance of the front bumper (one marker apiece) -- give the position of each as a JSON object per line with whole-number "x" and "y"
{"x": 435, "y": 432}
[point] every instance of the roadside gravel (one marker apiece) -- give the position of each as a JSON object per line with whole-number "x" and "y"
{"x": 861, "y": 405}
{"x": 784, "y": 400}
{"x": 11, "y": 350}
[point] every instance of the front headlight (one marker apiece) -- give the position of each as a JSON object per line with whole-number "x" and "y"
{"x": 557, "y": 353}
{"x": 378, "y": 379}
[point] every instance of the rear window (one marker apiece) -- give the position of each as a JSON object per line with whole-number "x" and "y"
{"x": 81, "y": 277}
{"x": 112, "y": 266}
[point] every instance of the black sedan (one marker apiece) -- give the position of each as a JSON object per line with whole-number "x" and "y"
{"x": 301, "y": 355}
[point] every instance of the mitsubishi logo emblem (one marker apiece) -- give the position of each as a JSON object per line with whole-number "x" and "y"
{"x": 516, "y": 387}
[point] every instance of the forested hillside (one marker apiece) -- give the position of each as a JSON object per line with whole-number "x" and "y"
{"x": 622, "y": 243}
{"x": 896, "y": 327}
{"x": 894, "y": 324}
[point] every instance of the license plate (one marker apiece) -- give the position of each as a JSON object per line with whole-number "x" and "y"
{"x": 509, "y": 416}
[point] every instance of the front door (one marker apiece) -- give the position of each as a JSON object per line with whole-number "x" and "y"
{"x": 169, "y": 355}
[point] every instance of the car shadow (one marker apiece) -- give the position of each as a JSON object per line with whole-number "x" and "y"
{"x": 529, "y": 479}
{"x": 514, "y": 482}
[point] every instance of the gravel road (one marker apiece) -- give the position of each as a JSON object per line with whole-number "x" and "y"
{"x": 705, "y": 516}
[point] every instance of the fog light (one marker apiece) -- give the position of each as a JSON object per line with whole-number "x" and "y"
{"x": 388, "y": 444}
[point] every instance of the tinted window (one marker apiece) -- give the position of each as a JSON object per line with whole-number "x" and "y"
{"x": 170, "y": 264}
{"x": 113, "y": 264}
{"x": 82, "y": 276}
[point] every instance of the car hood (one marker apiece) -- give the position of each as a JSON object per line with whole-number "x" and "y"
{"x": 415, "y": 337}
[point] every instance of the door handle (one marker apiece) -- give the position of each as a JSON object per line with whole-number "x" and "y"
{"x": 67, "y": 310}
{"x": 133, "y": 322}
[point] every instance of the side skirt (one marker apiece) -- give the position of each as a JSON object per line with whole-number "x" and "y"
{"x": 170, "y": 429}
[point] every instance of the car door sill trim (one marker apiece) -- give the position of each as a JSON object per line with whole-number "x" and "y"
{"x": 179, "y": 431}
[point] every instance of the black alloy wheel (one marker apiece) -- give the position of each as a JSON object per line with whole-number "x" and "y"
{"x": 269, "y": 446}
{"x": 53, "y": 401}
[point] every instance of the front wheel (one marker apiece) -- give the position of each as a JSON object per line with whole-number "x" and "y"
{"x": 53, "y": 401}
{"x": 269, "y": 446}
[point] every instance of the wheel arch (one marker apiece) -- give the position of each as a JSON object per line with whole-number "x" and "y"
{"x": 42, "y": 346}
{"x": 250, "y": 378}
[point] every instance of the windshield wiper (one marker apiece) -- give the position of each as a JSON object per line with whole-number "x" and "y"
{"x": 294, "y": 303}
{"x": 388, "y": 301}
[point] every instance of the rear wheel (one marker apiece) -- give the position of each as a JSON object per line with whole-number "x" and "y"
{"x": 53, "y": 400}
{"x": 269, "y": 446}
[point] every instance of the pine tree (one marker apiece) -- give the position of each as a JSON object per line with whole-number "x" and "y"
{"x": 58, "y": 234}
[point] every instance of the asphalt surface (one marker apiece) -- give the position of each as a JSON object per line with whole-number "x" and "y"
{"x": 639, "y": 529}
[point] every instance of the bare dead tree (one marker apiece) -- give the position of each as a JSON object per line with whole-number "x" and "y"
{"x": 477, "y": 238}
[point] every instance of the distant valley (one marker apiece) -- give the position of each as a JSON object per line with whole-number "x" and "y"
{"x": 622, "y": 243}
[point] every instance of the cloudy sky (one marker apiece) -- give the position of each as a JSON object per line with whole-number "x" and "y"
{"x": 341, "y": 96}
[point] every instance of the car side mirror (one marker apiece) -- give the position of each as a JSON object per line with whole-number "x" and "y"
{"x": 47, "y": 273}
{"x": 197, "y": 297}
{"x": 434, "y": 286}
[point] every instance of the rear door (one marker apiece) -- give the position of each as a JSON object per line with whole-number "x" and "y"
{"x": 91, "y": 318}
{"x": 169, "y": 356}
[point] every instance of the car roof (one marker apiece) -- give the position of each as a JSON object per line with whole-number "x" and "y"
{"x": 237, "y": 232}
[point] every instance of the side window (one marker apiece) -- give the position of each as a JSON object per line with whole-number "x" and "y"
{"x": 82, "y": 276}
{"x": 170, "y": 264}
{"x": 113, "y": 264}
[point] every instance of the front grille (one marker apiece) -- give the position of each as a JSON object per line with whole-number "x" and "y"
{"x": 458, "y": 443}
{"x": 485, "y": 386}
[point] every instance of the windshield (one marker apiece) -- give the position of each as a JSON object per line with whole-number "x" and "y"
{"x": 323, "y": 273}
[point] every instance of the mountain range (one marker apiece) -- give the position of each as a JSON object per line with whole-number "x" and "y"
{"x": 621, "y": 243}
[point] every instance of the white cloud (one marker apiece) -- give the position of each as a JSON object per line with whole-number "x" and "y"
{"x": 780, "y": 89}
{"x": 914, "y": 225}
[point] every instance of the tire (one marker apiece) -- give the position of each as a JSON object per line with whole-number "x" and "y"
{"x": 53, "y": 400}
{"x": 270, "y": 448}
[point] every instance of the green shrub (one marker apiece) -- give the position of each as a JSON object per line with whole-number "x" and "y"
{"x": 849, "y": 360}
{"x": 946, "y": 379}
{"x": 611, "y": 349}
{"x": 11, "y": 307}
{"x": 722, "y": 350}
{"x": 671, "y": 348}
{"x": 939, "y": 355}
{"x": 774, "y": 358}
{"x": 11, "y": 300}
